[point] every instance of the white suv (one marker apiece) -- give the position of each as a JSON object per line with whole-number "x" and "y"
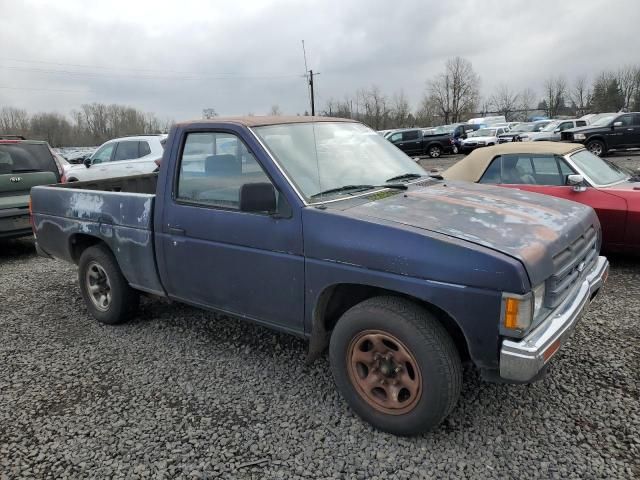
{"x": 120, "y": 157}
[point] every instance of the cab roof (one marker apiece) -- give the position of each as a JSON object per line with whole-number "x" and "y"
{"x": 259, "y": 121}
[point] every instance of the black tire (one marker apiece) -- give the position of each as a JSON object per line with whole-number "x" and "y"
{"x": 597, "y": 147}
{"x": 69, "y": 180}
{"x": 122, "y": 300}
{"x": 434, "y": 151}
{"x": 435, "y": 354}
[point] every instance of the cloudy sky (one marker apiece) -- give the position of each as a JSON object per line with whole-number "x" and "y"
{"x": 176, "y": 58}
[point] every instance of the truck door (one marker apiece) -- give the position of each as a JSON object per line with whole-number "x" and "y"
{"x": 247, "y": 264}
{"x": 410, "y": 141}
{"x": 621, "y": 135}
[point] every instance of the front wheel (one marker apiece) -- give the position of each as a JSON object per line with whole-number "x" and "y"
{"x": 434, "y": 151}
{"x": 106, "y": 292}
{"x": 597, "y": 147}
{"x": 395, "y": 365}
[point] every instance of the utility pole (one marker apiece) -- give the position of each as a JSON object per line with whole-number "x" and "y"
{"x": 313, "y": 106}
{"x": 311, "y": 74}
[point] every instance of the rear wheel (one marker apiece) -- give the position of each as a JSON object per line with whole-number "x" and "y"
{"x": 395, "y": 365}
{"x": 434, "y": 151}
{"x": 597, "y": 147}
{"x": 106, "y": 292}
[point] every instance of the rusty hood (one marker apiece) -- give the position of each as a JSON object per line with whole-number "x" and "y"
{"x": 530, "y": 227}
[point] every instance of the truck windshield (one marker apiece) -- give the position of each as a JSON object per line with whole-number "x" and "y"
{"x": 598, "y": 170}
{"x": 25, "y": 157}
{"x": 321, "y": 156}
{"x": 602, "y": 121}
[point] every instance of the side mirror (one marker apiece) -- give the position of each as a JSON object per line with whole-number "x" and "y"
{"x": 258, "y": 197}
{"x": 577, "y": 182}
{"x": 557, "y": 130}
{"x": 617, "y": 124}
{"x": 87, "y": 162}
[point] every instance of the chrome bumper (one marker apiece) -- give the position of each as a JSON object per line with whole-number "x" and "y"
{"x": 521, "y": 361}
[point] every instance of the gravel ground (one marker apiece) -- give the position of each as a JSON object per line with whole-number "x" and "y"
{"x": 179, "y": 393}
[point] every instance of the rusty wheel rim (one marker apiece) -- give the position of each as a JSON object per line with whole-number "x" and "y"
{"x": 384, "y": 372}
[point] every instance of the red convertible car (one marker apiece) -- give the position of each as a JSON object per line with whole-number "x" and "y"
{"x": 565, "y": 170}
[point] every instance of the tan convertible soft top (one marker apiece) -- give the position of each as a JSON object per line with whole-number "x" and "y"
{"x": 472, "y": 167}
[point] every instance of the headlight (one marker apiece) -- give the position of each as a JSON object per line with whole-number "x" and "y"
{"x": 538, "y": 300}
{"x": 579, "y": 136}
{"x": 519, "y": 311}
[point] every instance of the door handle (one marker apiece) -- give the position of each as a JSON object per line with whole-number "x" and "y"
{"x": 176, "y": 230}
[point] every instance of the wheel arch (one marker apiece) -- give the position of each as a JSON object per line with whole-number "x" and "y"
{"x": 599, "y": 137}
{"x": 79, "y": 242}
{"x": 336, "y": 299}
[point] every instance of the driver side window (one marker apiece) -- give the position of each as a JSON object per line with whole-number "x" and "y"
{"x": 213, "y": 168}
{"x": 103, "y": 154}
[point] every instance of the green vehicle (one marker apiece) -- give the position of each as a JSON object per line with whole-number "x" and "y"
{"x": 23, "y": 164}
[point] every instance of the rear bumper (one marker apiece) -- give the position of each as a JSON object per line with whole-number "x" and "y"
{"x": 14, "y": 223}
{"x": 522, "y": 361}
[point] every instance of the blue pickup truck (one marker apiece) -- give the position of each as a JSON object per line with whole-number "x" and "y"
{"x": 321, "y": 228}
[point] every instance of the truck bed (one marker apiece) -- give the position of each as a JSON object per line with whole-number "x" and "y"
{"x": 118, "y": 212}
{"x": 134, "y": 184}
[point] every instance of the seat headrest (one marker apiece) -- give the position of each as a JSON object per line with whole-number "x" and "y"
{"x": 222, "y": 165}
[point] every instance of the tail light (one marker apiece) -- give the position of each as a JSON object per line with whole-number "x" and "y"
{"x": 31, "y": 222}
{"x": 157, "y": 162}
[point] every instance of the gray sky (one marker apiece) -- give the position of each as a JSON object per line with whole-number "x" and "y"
{"x": 175, "y": 58}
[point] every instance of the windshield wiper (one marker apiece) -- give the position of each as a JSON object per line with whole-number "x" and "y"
{"x": 358, "y": 188}
{"x": 404, "y": 176}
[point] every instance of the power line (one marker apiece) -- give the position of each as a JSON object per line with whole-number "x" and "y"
{"x": 42, "y": 89}
{"x": 130, "y": 69}
{"x": 212, "y": 76}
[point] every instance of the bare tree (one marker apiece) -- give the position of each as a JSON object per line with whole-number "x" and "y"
{"x": 427, "y": 114}
{"x": 456, "y": 91}
{"x": 52, "y": 127}
{"x": 527, "y": 103}
{"x": 275, "y": 111}
{"x": 504, "y": 101}
{"x": 209, "y": 113}
{"x": 400, "y": 110}
{"x": 555, "y": 90}
{"x": 14, "y": 121}
{"x": 580, "y": 94}
{"x": 628, "y": 80}
{"x": 375, "y": 107}
{"x": 337, "y": 108}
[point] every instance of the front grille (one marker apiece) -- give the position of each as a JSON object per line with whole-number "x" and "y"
{"x": 570, "y": 266}
{"x": 470, "y": 144}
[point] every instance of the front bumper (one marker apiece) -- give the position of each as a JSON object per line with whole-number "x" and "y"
{"x": 521, "y": 361}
